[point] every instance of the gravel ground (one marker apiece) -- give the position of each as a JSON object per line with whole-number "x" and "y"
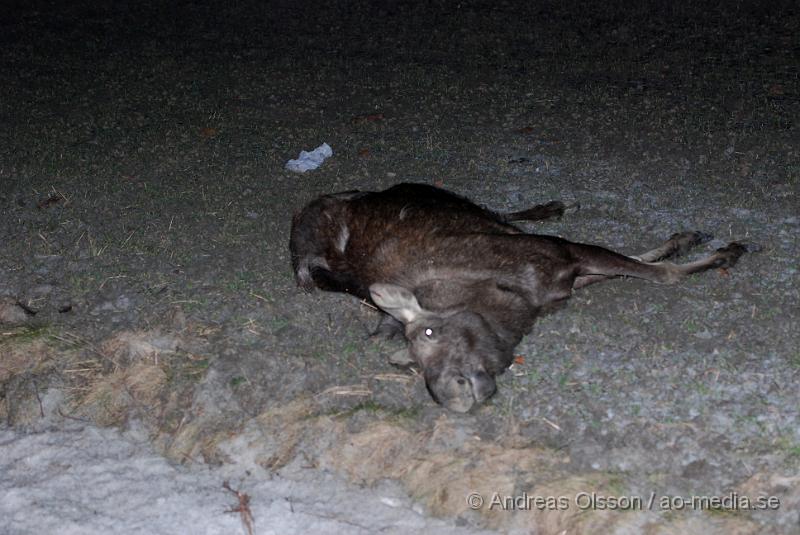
{"x": 143, "y": 191}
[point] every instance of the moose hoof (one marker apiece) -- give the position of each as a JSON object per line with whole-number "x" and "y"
{"x": 730, "y": 254}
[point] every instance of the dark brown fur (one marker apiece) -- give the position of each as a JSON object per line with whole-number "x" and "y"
{"x": 465, "y": 284}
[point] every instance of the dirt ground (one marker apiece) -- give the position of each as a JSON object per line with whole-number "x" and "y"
{"x": 145, "y": 212}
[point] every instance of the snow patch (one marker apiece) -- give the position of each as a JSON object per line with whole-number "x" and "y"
{"x": 86, "y": 480}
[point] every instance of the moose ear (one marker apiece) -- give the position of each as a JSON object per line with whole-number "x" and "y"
{"x": 396, "y": 301}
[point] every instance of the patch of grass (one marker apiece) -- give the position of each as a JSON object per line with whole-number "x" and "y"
{"x": 691, "y": 326}
{"x": 81, "y": 283}
{"x": 721, "y": 511}
{"x": 26, "y": 333}
{"x": 189, "y": 367}
{"x": 368, "y": 406}
{"x": 702, "y": 388}
{"x": 793, "y": 452}
{"x": 534, "y": 377}
{"x": 563, "y": 379}
{"x": 244, "y": 280}
{"x": 319, "y": 355}
{"x": 193, "y": 305}
{"x": 789, "y": 445}
{"x": 373, "y": 408}
{"x": 407, "y": 413}
{"x": 235, "y": 286}
{"x": 349, "y": 349}
{"x": 277, "y": 324}
{"x": 594, "y": 389}
{"x": 617, "y": 487}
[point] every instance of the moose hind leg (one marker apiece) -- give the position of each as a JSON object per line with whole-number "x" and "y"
{"x": 678, "y": 244}
{"x": 597, "y": 264}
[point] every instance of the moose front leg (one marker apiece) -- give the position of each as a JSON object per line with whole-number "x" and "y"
{"x": 598, "y": 264}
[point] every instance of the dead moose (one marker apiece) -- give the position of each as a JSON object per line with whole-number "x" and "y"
{"x": 462, "y": 283}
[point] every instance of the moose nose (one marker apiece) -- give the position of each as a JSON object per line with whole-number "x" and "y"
{"x": 483, "y": 385}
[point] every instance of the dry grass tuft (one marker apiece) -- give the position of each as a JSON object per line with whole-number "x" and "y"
{"x": 442, "y": 466}
{"x": 282, "y": 431}
{"x": 137, "y": 365}
{"x": 131, "y": 372}
{"x": 29, "y": 360}
{"x": 132, "y": 346}
{"x": 785, "y": 487}
{"x": 20, "y": 357}
{"x": 110, "y": 397}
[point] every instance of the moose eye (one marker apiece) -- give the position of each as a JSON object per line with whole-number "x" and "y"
{"x": 429, "y": 332}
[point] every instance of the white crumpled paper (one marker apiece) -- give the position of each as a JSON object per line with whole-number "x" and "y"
{"x": 310, "y": 160}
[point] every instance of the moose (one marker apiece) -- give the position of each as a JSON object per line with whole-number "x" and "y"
{"x": 462, "y": 283}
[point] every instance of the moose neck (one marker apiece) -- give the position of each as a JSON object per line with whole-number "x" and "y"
{"x": 506, "y": 311}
